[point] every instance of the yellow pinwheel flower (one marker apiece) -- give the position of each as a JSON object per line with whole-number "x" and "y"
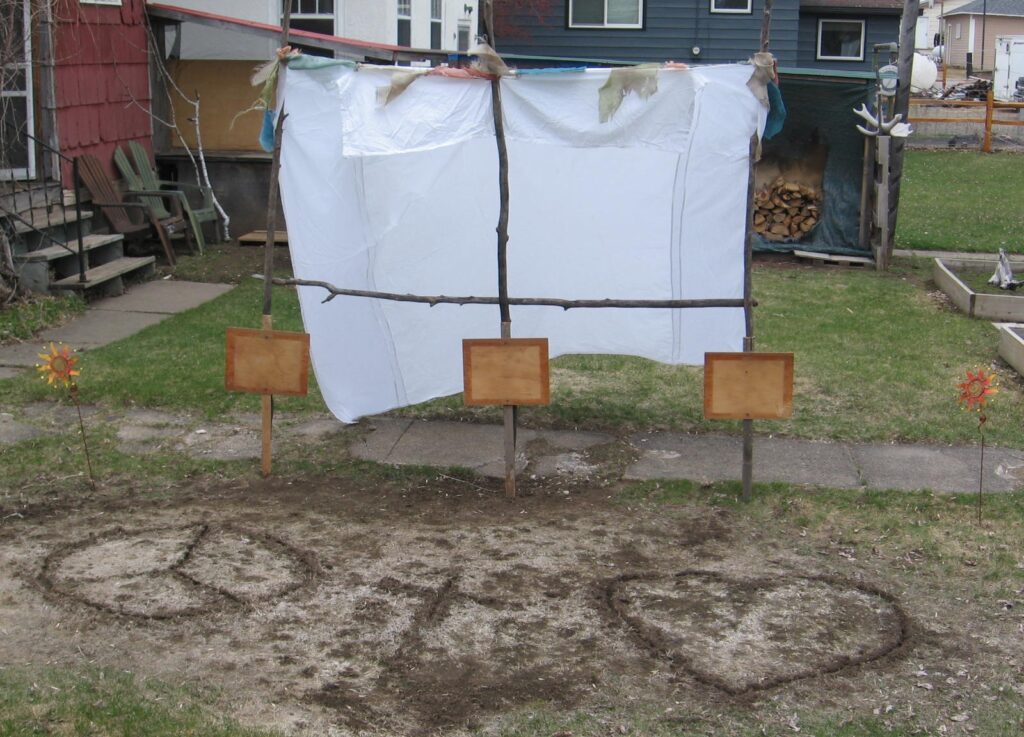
{"x": 58, "y": 365}
{"x": 976, "y": 390}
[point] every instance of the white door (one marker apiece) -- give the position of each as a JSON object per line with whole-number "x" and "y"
{"x": 17, "y": 160}
{"x": 1009, "y": 66}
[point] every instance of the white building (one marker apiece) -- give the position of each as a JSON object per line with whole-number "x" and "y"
{"x": 930, "y": 22}
{"x": 422, "y": 24}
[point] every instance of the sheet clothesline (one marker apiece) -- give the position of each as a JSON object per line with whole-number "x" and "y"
{"x": 402, "y": 198}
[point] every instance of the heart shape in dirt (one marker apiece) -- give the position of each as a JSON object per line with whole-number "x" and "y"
{"x": 744, "y": 634}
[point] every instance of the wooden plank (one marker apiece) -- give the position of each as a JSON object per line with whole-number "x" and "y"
{"x": 104, "y": 272}
{"x": 748, "y": 386}
{"x": 52, "y": 253}
{"x": 961, "y": 295}
{"x": 506, "y": 371}
{"x": 1011, "y": 346}
{"x": 837, "y": 259}
{"x": 259, "y": 238}
{"x": 267, "y": 362}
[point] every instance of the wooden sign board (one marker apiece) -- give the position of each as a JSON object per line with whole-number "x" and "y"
{"x": 267, "y": 362}
{"x": 748, "y": 386}
{"x": 506, "y": 371}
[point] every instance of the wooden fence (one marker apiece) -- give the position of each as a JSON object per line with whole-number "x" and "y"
{"x": 990, "y": 106}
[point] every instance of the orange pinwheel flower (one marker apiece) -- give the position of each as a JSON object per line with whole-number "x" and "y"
{"x": 976, "y": 390}
{"x": 58, "y": 366}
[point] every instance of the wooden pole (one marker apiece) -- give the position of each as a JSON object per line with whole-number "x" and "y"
{"x": 267, "y": 400}
{"x": 901, "y": 106}
{"x": 748, "y": 273}
{"x": 986, "y": 145}
{"x": 766, "y": 24}
{"x": 748, "y": 318}
{"x": 883, "y": 252}
{"x": 503, "y": 194}
{"x": 867, "y": 187}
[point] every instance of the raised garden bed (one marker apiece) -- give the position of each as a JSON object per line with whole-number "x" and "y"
{"x": 1004, "y": 307}
{"x": 1011, "y": 346}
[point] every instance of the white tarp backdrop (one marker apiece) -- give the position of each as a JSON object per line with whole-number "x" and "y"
{"x": 404, "y": 198}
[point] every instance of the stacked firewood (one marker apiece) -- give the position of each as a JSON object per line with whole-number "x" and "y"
{"x": 785, "y": 211}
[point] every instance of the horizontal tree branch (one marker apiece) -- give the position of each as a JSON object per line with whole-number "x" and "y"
{"x": 565, "y": 304}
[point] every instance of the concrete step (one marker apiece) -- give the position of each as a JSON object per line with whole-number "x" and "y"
{"x": 103, "y": 273}
{"x": 52, "y": 253}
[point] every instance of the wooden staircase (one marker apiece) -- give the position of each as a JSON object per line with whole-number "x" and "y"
{"x": 44, "y": 231}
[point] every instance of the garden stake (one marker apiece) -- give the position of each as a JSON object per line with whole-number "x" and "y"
{"x": 974, "y": 393}
{"x": 58, "y": 369}
{"x": 981, "y": 466}
{"x": 81, "y": 425}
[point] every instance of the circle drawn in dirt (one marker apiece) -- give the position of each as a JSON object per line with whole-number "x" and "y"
{"x": 741, "y": 635}
{"x": 175, "y": 571}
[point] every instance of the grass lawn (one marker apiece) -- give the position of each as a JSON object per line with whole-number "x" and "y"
{"x": 105, "y": 701}
{"x": 962, "y": 201}
{"x": 23, "y": 319}
{"x": 878, "y": 359}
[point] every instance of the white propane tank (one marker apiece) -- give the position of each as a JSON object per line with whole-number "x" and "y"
{"x": 923, "y": 74}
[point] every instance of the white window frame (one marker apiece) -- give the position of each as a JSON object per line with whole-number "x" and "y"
{"x": 99, "y": 2}
{"x": 817, "y": 48}
{"x": 592, "y": 26}
{"x": 28, "y": 171}
{"x": 733, "y": 11}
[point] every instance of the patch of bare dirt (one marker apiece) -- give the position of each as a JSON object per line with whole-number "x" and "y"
{"x": 431, "y": 606}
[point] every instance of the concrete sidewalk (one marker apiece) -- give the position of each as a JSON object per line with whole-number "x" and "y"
{"x": 700, "y": 458}
{"x": 109, "y": 320}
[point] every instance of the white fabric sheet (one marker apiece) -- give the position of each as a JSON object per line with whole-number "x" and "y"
{"x": 404, "y": 198}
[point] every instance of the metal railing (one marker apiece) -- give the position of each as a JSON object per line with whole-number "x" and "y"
{"x": 9, "y": 197}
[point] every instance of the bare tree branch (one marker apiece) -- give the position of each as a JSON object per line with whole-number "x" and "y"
{"x": 565, "y": 304}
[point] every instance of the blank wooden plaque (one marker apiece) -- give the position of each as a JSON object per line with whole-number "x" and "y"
{"x": 267, "y": 362}
{"x": 506, "y": 371}
{"x": 748, "y": 386}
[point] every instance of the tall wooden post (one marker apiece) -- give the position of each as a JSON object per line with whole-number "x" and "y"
{"x": 901, "y": 106}
{"x": 267, "y": 400}
{"x": 748, "y": 318}
{"x": 986, "y": 145}
{"x": 748, "y": 270}
{"x": 502, "y": 229}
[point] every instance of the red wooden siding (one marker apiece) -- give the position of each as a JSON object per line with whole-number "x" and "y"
{"x": 101, "y": 77}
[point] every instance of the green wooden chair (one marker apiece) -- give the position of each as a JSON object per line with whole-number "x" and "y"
{"x": 142, "y": 177}
{"x": 116, "y": 208}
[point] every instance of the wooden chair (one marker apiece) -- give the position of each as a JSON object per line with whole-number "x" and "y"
{"x": 191, "y": 195}
{"x": 115, "y": 207}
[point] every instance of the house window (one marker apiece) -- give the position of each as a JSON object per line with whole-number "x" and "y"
{"x": 605, "y": 13}
{"x": 841, "y": 40}
{"x": 435, "y": 24}
{"x": 462, "y": 41}
{"x": 100, "y": 2}
{"x": 958, "y": 30}
{"x": 731, "y": 6}
{"x": 316, "y": 16}
{"x": 405, "y": 22}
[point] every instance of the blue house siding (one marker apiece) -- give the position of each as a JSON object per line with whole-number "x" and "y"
{"x": 877, "y": 29}
{"x": 672, "y": 28}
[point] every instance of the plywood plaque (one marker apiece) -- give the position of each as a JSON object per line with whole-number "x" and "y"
{"x": 748, "y": 386}
{"x": 267, "y": 362}
{"x": 506, "y": 371}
